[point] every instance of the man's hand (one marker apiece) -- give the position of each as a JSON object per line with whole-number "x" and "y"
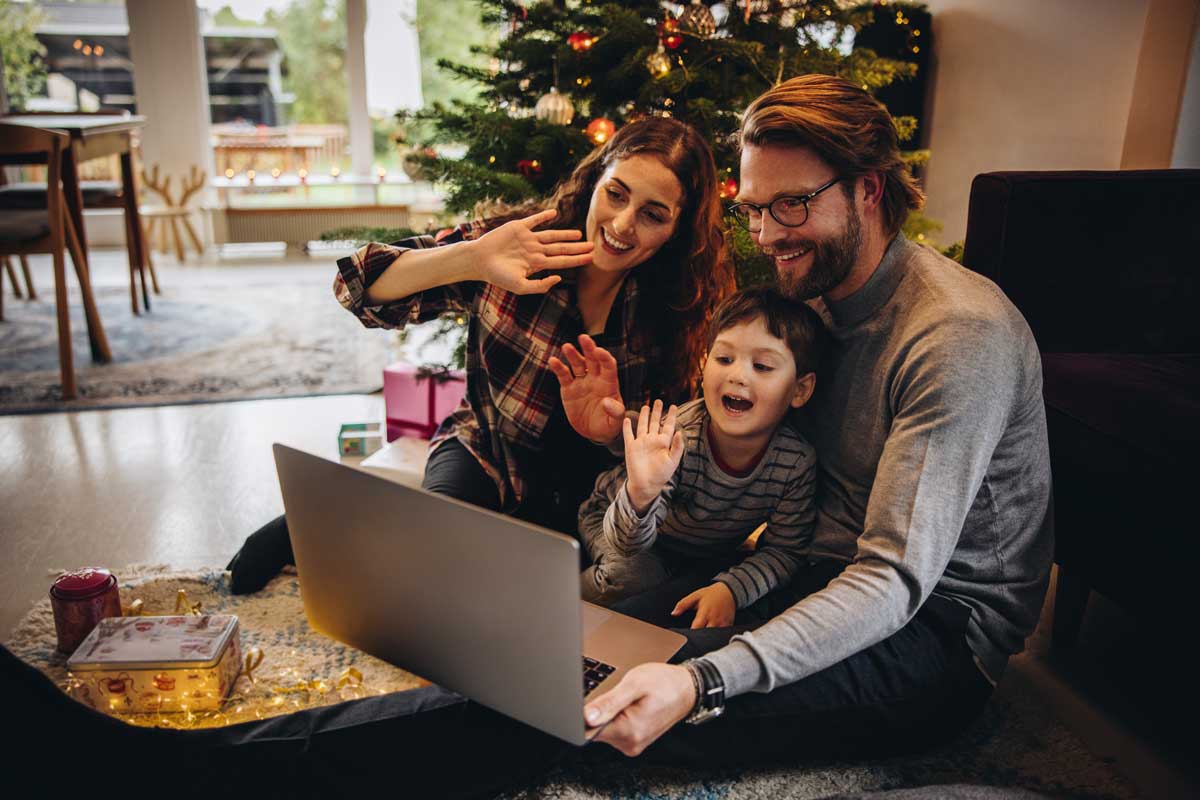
{"x": 591, "y": 392}
{"x": 715, "y": 606}
{"x": 646, "y": 703}
{"x": 651, "y": 455}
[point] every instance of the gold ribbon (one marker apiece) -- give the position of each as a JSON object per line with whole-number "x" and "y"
{"x": 350, "y": 677}
{"x": 134, "y": 609}
{"x": 254, "y": 657}
{"x": 184, "y": 606}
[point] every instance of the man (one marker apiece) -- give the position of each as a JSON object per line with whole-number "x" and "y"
{"x": 934, "y": 535}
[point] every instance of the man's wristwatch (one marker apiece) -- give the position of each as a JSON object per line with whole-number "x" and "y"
{"x": 710, "y": 691}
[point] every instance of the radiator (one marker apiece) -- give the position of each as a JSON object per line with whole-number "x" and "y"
{"x": 298, "y": 225}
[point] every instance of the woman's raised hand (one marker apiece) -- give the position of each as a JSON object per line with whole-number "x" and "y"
{"x": 508, "y": 255}
{"x": 591, "y": 391}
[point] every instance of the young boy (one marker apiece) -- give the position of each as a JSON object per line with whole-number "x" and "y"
{"x": 698, "y": 481}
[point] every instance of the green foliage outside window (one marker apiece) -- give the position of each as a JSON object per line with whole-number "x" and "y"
{"x": 24, "y": 72}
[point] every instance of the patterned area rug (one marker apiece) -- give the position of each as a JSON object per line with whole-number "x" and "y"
{"x": 1017, "y": 745}
{"x": 197, "y": 344}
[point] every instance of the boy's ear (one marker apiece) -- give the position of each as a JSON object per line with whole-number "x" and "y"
{"x": 804, "y": 389}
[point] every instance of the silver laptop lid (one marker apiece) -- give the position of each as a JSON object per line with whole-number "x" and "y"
{"x": 477, "y": 602}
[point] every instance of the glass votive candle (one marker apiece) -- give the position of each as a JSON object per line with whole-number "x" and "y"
{"x": 80, "y": 599}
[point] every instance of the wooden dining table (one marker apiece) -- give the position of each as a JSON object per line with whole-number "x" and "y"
{"x": 98, "y": 136}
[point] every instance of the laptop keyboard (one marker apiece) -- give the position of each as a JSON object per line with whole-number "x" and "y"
{"x": 594, "y": 672}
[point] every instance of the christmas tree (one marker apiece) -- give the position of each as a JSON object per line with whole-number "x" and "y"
{"x": 568, "y": 73}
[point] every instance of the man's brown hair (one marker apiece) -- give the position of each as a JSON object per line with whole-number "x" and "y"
{"x": 844, "y": 125}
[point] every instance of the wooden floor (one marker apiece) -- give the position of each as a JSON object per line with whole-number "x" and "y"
{"x": 184, "y": 486}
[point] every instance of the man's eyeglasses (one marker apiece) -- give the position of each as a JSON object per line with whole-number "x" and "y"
{"x": 789, "y": 210}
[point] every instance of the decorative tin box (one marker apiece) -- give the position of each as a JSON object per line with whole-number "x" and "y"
{"x": 178, "y": 663}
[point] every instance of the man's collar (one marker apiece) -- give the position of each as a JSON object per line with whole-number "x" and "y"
{"x": 878, "y": 289}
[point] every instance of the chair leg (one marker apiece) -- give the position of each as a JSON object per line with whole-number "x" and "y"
{"x": 1070, "y": 603}
{"x": 65, "y": 358}
{"x": 96, "y": 336}
{"x": 12, "y": 276}
{"x": 150, "y": 260}
{"x": 29, "y": 290}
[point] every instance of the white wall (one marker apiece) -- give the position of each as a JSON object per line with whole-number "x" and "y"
{"x": 1028, "y": 85}
{"x": 1187, "y": 137}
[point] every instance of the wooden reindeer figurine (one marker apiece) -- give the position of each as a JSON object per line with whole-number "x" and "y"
{"x": 170, "y": 221}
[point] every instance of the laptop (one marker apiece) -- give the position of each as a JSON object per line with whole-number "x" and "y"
{"x": 480, "y": 603}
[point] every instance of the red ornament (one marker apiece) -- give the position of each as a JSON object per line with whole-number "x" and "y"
{"x": 530, "y": 168}
{"x": 581, "y": 40}
{"x": 669, "y": 25}
{"x": 600, "y": 130}
{"x": 727, "y": 189}
{"x": 672, "y": 41}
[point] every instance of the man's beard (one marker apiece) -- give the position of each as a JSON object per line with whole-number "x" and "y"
{"x": 832, "y": 260}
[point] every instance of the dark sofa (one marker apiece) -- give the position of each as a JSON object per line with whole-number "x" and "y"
{"x": 1105, "y": 267}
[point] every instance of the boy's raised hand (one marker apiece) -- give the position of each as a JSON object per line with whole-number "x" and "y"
{"x": 591, "y": 392}
{"x": 652, "y": 454}
{"x": 714, "y": 604}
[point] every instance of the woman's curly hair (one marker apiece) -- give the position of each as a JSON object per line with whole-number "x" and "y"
{"x": 681, "y": 284}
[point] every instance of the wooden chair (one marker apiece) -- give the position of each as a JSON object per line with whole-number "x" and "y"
{"x": 94, "y": 193}
{"x": 50, "y": 230}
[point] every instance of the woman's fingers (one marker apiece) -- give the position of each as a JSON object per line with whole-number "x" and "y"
{"x": 554, "y": 235}
{"x": 563, "y": 262}
{"x": 578, "y": 365}
{"x": 568, "y": 249}
{"x": 540, "y": 218}
{"x": 560, "y": 371}
{"x": 643, "y": 421}
{"x": 612, "y": 407}
{"x": 627, "y": 432}
{"x": 540, "y": 286}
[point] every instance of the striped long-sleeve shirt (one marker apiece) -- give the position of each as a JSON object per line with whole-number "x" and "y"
{"x": 704, "y": 512}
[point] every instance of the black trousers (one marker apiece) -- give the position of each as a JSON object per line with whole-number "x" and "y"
{"x": 554, "y": 494}
{"x": 917, "y": 688}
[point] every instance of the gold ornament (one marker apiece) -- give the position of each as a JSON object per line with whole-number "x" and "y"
{"x": 659, "y": 63}
{"x": 698, "y": 19}
{"x": 554, "y": 108}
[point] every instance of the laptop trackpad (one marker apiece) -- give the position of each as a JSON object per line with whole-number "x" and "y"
{"x": 593, "y": 617}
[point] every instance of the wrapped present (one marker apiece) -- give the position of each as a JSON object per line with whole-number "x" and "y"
{"x": 359, "y": 438}
{"x": 417, "y": 399}
{"x": 156, "y": 664}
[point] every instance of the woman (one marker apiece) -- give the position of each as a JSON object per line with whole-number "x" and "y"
{"x": 528, "y": 438}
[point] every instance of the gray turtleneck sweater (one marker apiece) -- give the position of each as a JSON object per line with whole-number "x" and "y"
{"x": 934, "y": 473}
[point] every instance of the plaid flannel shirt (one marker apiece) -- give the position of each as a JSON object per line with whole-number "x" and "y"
{"x": 511, "y": 392}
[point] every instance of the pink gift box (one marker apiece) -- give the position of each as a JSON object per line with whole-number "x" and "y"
{"x": 416, "y": 401}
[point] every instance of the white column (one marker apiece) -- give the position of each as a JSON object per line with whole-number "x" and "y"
{"x": 361, "y": 154}
{"x": 170, "y": 82}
